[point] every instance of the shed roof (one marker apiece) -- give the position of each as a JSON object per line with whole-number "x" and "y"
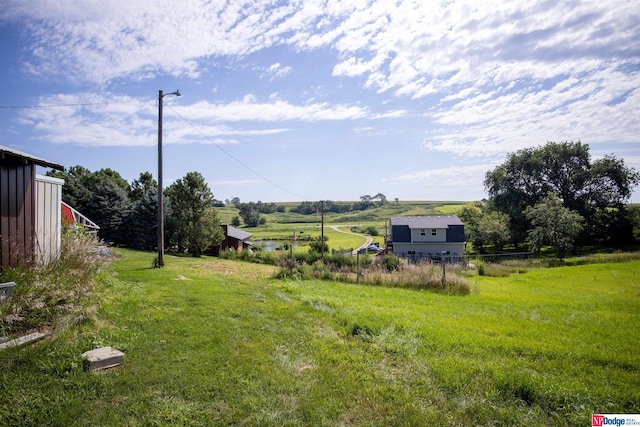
{"x": 6, "y": 152}
{"x": 237, "y": 233}
{"x": 439, "y": 221}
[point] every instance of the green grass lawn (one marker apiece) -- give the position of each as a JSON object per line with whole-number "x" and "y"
{"x": 214, "y": 342}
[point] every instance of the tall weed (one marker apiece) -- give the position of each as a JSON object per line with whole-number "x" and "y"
{"x": 60, "y": 291}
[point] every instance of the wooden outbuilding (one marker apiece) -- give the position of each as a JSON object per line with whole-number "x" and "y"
{"x": 28, "y": 208}
{"x": 235, "y": 238}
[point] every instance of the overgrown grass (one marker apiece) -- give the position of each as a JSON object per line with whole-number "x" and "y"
{"x": 424, "y": 276}
{"x": 218, "y": 342}
{"x": 61, "y": 292}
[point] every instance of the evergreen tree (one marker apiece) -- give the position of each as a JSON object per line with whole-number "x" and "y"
{"x": 141, "y": 185}
{"x": 142, "y": 226}
{"x": 193, "y": 222}
{"x": 109, "y": 208}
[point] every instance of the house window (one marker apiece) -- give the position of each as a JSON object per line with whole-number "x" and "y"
{"x": 423, "y": 232}
{"x": 433, "y": 231}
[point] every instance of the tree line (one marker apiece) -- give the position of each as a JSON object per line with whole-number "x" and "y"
{"x": 127, "y": 214}
{"x": 551, "y": 195}
{"x": 554, "y": 195}
{"x": 366, "y": 202}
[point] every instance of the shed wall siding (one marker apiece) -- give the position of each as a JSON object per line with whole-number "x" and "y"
{"x": 48, "y": 218}
{"x": 17, "y": 212}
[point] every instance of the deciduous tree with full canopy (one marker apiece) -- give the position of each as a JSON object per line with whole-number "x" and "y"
{"x": 553, "y": 224}
{"x": 596, "y": 190}
{"x": 193, "y": 222}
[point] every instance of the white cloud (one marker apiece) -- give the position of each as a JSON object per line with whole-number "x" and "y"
{"x": 454, "y": 177}
{"x": 276, "y": 110}
{"x": 498, "y": 76}
{"x": 110, "y": 120}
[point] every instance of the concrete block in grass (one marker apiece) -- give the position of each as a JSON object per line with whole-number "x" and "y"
{"x": 103, "y": 358}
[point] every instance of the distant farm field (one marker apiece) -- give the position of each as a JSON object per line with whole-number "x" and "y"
{"x": 215, "y": 342}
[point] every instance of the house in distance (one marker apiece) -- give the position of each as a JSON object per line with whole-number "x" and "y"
{"x": 235, "y": 238}
{"x": 426, "y": 237}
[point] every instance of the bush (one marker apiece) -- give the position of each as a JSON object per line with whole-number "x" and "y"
{"x": 390, "y": 262}
{"x": 372, "y": 231}
{"x": 481, "y": 266}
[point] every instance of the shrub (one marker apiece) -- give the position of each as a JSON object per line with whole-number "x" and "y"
{"x": 372, "y": 231}
{"x": 390, "y": 262}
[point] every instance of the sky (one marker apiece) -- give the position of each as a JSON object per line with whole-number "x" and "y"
{"x": 304, "y": 100}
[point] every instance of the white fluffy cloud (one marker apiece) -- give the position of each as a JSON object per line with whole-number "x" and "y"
{"x": 496, "y": 75}
{"x": 111, "y": 120}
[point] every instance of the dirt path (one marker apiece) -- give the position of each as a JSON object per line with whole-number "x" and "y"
{"x": 368, "y": 239}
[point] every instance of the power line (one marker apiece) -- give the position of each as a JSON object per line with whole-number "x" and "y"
{"x": 235, "y": 158}
{"x": 86, "y": 104}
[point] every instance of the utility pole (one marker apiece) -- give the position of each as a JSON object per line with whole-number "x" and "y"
{"x": 322, "y": 229}
{"x": 160, "y": 200}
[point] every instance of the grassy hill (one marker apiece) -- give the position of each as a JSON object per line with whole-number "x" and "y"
{"x": 282, "y": 225}
{"x": 214, "y": 342}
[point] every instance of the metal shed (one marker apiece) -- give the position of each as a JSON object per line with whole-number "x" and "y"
{"x": 19, "y": 208}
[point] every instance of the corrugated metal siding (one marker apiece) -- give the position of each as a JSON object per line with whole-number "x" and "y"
{"x": 17, "y": 212}
{"x": 48, "y": 217}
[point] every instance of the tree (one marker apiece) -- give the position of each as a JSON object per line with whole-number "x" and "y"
{"x": 318, "y": 245}
{"x": 250, "y": 215}
{"x": 142, "y": 224}
{"x": 109, "y": 208}
{"x": 94, "y": 179}
{"x": 493, "y": 227}
{"x": 235, "y": 221}
{"x": 553, "y": 224}
{"x": 381, "y": 198}
{"x": 483, "y": 227}
{"x": 470, "y": 214}
{"x": 142, "y": 185}
{"x": 74, "y": 191}
{"x": 194, "y": 222}
{"x": 565, "y": 169}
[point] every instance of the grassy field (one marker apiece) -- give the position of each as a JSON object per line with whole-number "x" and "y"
{"x": 214, "y": 342}
{"x": 281, "y": 226}
{"x": 377, "y": 216}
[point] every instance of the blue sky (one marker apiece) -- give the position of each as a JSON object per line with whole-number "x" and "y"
{"x": 319, "y": 99}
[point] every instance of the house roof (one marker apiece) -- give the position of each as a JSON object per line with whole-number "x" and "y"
{"x": 6, "y": 152}
{"x": 440, "y": 221}
{"x": 237, "y": 233}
